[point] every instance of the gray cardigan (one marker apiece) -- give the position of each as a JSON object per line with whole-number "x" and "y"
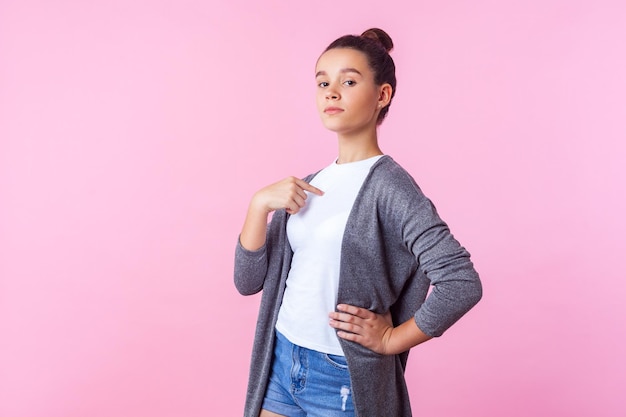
{"x": 394, "y": 247}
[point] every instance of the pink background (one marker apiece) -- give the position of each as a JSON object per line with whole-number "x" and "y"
{"x": 133, "y": 133}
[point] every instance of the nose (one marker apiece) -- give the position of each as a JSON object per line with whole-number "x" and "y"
{"x": 331, "y": 94}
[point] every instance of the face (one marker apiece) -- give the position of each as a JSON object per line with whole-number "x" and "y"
{"x": 348, "y": 99}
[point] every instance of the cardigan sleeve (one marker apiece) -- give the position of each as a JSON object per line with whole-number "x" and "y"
{"x": 456, "y": 286}
{"x": 251, "y": 266}
{"x": 250, "y": 269}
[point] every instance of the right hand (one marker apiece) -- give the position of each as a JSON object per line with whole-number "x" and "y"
{"x": 288, "y": 194}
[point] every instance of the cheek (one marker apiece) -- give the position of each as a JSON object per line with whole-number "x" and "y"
{"x": 368, "y": 102}
{"x": 319, "y": 100}
{"x": 319, "y": 96}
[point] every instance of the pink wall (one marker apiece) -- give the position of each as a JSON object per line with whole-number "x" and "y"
{"x": 133, "y": 132}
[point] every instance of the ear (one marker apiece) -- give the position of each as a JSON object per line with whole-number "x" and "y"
{"x": 384, "y": 95}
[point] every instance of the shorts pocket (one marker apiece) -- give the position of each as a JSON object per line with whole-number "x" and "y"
{"x": 337, "y": 361}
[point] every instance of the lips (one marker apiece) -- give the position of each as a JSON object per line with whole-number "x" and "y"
{"x": 332, "y": 110}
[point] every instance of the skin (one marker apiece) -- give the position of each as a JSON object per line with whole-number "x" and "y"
{"x": 348, "y": 102}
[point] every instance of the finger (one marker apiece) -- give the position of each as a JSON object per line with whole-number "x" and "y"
{"x": 345, "y": 326}
{"x": 345, "y": 318}
{"x": 292, "y": 207}
{"x": 349, "y": 336}
{"x": 294, "y": 187}
{"x": 299, "y": 192}
{"x": 308, "y": 187}
{"x": 355, "y": 311}
{"x": 297, "y": 199}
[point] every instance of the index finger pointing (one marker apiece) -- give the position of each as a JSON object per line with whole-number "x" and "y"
{"x": 308, "y": 187}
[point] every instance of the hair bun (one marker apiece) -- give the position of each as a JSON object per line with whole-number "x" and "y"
{"x": 379, "y": 36}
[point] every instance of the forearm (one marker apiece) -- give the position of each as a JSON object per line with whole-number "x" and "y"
{"x": 253, "y": 233}
{"x": 404, "y": 337}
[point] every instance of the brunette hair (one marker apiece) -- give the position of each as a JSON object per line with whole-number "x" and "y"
{"x": 376, "y": 45}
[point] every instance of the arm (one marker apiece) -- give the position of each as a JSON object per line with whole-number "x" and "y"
{"x": 456, "y": 290}
{"x": 288, "y": 194}
{"x": 376, "y": 331}
{"x": 456, "y": 285}
{"x": 251, "y": 252}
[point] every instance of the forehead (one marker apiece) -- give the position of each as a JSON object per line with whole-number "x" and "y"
{"x": 338, "y": 58}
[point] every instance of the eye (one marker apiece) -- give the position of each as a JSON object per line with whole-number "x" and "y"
{"x": 322, "y": 84}
{"x": 350, "y": 83}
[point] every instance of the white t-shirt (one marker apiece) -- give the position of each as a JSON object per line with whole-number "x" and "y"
{"x": 315, "y": 234}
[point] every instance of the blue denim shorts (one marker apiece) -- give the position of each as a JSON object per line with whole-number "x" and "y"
{"x": 307, "y": 383}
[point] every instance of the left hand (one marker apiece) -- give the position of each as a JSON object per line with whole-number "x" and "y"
{"x": 363, "y": 327}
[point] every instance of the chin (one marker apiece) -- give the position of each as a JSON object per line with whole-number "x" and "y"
{"x": 333, "y": 126}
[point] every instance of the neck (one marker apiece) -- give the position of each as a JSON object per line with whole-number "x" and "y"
{"x": 354, "y": 148}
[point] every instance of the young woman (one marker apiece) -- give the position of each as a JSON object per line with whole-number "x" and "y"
{"x": 347, "y": 260}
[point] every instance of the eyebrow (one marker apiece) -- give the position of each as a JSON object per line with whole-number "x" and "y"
{"x": 343, "y": 71}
